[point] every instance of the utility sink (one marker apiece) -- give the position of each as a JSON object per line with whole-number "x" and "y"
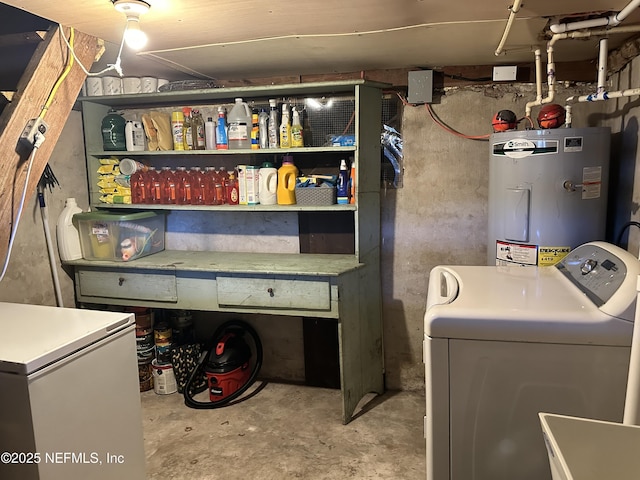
{"x": 586, "y": 449}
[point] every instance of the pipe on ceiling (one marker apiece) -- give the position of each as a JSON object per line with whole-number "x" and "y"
{"x": 515, "y": 8}
{"x": 610, "y": 21}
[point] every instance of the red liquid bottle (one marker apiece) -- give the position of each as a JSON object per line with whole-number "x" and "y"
{"x": 168, "y": 184}
{"x": 184, "y": 187}
{"x": 138, "y": 187}
{"x": 197, "y": 186}
{"x": 232, "y": 190}
{"x": 209, "y": 190}
{"x": 154, "y": 189}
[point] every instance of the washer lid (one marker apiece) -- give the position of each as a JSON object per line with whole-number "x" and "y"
{"x": 524, "y": 304}
{"x": 33, "y": 336}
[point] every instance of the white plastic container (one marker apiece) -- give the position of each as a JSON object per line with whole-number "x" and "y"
{"x": 134, "y": 136}
{"x": 239, "y": 126}
{"x": 68, "y": 236}
{"x": 268, "y": 184}
{"x": 210, "y": 134}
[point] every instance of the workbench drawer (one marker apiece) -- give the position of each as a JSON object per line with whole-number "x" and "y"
{"x": 134, "y": 285}
{"x": 275, "y": 292}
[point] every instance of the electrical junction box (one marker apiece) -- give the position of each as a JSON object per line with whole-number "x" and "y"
{"x": 420, "y": 86}
{"x": 504, "y": 74}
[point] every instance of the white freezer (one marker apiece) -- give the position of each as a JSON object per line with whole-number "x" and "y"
{"x": 69, "y": 395}
{"x": 504, "y": 343}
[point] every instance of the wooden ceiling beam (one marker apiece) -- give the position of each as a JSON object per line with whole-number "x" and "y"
{"x": 46, "y": 65}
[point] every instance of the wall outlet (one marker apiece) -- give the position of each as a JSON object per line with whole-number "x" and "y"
{"x": 28, "y": 135}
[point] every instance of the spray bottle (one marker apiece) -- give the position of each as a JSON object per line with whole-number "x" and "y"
{"x": 274, "y": 135}
{"x": 285, "y": 128}
{"x": 343, "y": 183}
{"x": 221, "y": 131}
{"x": 296, "y": 130}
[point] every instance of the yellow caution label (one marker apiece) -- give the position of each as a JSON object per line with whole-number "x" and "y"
{"x": 551, "y": 255}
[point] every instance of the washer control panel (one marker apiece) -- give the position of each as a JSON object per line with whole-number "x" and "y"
{"x": 597, "y": 270}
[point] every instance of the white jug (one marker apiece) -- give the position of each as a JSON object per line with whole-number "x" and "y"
{"x": 267, "y": 184}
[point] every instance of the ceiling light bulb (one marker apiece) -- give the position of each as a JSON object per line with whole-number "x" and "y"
{"x": 135, "y": 38}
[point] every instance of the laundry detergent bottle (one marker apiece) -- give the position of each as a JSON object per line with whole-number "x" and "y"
{"x": 268, "y": 184}
{"x": 287, "y": 174}
{"x": 67, "y": 233}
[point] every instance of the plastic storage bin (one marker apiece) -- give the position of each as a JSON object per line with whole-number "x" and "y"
{"x": 120, "y": 237}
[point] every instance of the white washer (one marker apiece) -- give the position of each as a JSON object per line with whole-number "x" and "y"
{"x": 504, "y": 343}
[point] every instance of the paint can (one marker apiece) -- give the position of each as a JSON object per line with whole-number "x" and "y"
{"x": 145, "y": 374}
{"x": 162, "y": 340}
{"x": 144, "y": 332}
{"x": 164, "y": 380}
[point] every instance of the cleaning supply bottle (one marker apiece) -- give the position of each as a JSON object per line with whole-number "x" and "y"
{"x": 210, "y": 134}
{"x": 197, "y": 130}
{"x": 67, "y": 233}
{"x": 263, "y": 128}
{"x": 239, "y": 120}
{"x": 177, "y": 122}
{"x": 187, "y": 133}
{"x": 221, "y": 131}
{"x": 273, "y": 126}
{"x": 287, "y": 174}
{"x": 255, "y": 131}
{"x": 134, "y": 136}
{"x": 296, "y": 130}
{"x": 113, "y": 136}
{"x": 268, "y": 184}
{"x": 343, "y": 183}
{"x": 285, "y": 128}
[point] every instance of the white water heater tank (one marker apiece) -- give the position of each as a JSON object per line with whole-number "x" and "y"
{"x": 547, "y": 193}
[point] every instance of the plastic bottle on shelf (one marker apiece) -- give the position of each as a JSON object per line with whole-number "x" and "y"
{"x": 154, "y": 186}
{"x": 177, "y": 122}
{"x": 273, "y": 127}
{"x": 67, "y": 233}
{"x": 197, "y": 186}
{"x": 210, "y": 134}
{"x": 255, "y": 131}
{"x": 168, "y": 185}
{"x": 239, "y": 123}
{"x": 187, "y": 135}
{"x": 220, "y": 187}
{"x": 268, "y": 184}
{"x": 287, "y": 174}
{"x": 221, "y": 131}
{"x": 232, "y": 190}
{"x": 209, "y": 190}
{"x": 134, "y": 136}
{"x": 343, "y": 183}
{"x": 139, "y": 189}
{"x": 296, "y": 130}
{"x": 183, "y": 189}
{"x": 285, "y": 128}
{"x": 113, "y": 136}
{"x": 263, "y": 128}
{"x": 197, "y": 130}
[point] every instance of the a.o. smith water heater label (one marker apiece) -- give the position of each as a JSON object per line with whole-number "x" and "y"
{"x": 591, "y": 182}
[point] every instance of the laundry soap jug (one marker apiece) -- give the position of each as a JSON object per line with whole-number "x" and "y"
{"x": 113, "y": 127}
{"x": 268, "y": 184}
{"x": 287, "y": 174}
{"x": 239, "y": 123}
{"x": 67, "y": 233}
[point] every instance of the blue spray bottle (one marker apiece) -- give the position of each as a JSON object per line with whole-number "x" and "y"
{"x": 343, "y": 183}
{"x": 222, "y": 142}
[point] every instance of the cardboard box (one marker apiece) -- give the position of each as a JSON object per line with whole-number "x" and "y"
{"x": 120, "y": 237}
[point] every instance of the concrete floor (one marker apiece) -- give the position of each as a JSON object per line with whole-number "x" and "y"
{"x": 285, "y": 432}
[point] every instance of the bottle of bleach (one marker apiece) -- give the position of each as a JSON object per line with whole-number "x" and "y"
{"x": 67, "y": 233}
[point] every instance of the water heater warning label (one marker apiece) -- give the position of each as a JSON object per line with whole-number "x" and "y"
{"x": 516, "y": 254}
{"x": 591, "y": 182}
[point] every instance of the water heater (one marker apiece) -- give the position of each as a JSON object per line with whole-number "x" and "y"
{"x": 547, "y": 193}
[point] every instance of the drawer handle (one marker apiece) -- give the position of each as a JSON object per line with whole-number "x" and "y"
{"x": 120, "y": 281}
{"x": 270, "y": 290}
